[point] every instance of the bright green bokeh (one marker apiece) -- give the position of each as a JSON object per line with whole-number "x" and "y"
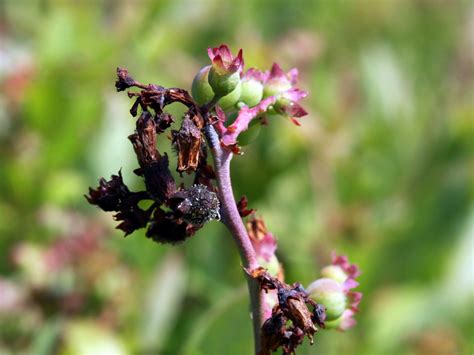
{"x": 381, "y": 169}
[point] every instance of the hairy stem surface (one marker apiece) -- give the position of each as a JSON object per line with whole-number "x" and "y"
{"x": 231, "y": 218}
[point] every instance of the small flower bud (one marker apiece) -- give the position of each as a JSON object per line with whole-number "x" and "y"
{"x": 331, "y": 295}
{"x": 223, "y": 84}
{"x": 275, "y": 87}
{"x": 224, "y": 75}
{"x": 203, "y": 93}
{"x": 200, "y": 88}
{"x": 278, "y": 82}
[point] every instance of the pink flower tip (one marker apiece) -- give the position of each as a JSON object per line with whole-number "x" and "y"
{"x": 352, "y": 270}
{"x": 223, "y": 61}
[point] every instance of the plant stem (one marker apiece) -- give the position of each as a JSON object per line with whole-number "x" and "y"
{"x": 231, "y": 218}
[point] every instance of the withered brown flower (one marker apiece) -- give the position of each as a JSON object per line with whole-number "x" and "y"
{"x": 291, "y": 318}
{"x": 175, "y": 213}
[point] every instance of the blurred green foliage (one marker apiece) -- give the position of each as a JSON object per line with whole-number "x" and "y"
{"x": 382, "y": 170}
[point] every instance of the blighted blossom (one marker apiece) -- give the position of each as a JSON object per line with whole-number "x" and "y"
{"x": 226, "y": 100}
{"x": 334, "y": 291}
{"x": 294, "y": 316}
{"x": 175, "y": 212}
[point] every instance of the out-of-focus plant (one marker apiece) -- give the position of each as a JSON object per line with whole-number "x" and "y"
{"x": 56, "y": 288}
{"x": 225, "y": 104}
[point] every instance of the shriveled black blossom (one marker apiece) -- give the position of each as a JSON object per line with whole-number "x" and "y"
{"x": 188, "y": 144}
{"x": 114, "y": 195}
{"x": 124, "y": 80}
{"x": 132, "y": 219}
{"x": 109, "y": 195}
{"x": 166, "y": 227}
{"x": 291, "y": 318}
{"x": 153, "y": 166}
{"x": 243, "y": 207}
{"x": 176, "y": 213}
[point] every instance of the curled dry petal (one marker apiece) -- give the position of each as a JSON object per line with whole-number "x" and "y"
{"x": 291, "y": 319}
{"x": 132, "y": 219}
{"x": 242, "y": 207}
{"x": 153, "y": 166}
{"x": 124, "y": 80}
{"x": 166, "y": 228}
{"x": 188, "y": 143}
{"x": 109, "y": 195}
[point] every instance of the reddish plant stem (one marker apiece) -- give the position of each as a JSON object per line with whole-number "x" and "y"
{"x": 232, "y": 220}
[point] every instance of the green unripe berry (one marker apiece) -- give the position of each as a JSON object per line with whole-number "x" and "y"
{"x": 200, "y": 89}
{"x": 223, "y": 84}
{"x": 252, "y": 92}
{"x": 331, "y": 295}
{"x": 228, "y": 101}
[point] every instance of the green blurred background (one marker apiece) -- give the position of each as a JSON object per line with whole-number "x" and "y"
{"x": 381, "y": 170}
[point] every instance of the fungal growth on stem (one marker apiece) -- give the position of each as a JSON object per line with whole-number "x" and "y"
{"x": 283, "y": 314}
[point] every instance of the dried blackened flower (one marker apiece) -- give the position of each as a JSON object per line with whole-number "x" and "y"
{"x": 110, "y": 195}
{"x": 124, "y": 81}
{"x": 291, "y": 319}
{"x": 188, "y": 143}
{"x": 132, "y": 219}
{"x": 163, "y": 121}
{"x": 153, "y": 166}
{"x": 166, "y": 228}
{"x": 197, "y": 204}
{"x": 273, "y": 333}
{"x": 242, "y": 206}
{"x": 114, "y": 195}
{"x": 293, "y": 302}
{"x": 190, "y": 208}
